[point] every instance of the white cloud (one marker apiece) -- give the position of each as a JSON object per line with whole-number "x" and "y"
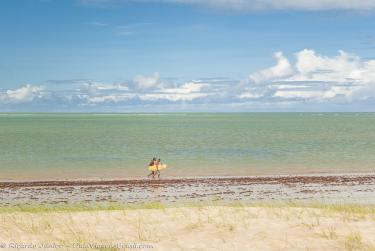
{"x": 146, "y": 82}
{"x": 289, "y": 86}
{"x": 187, "y": 88}
{"x": 146, "y": 88}
{"x": 26, "y": 93}
{"x": 316, "y": 77}
{"x": 249, "y": 95}
{"x": 298, "y": 94}
{"x": 110, "y": 98}
{"x": 313, "y": 67}
{"x": 281, "y": 69}
{"x": 101, "y": 86}
{"x": 186, "y": 92}
{"x": 96, "y": 93}
{"x": 308, "y": 79}
{"x": 171, "y": 97}
{"x": 339, "y": 91}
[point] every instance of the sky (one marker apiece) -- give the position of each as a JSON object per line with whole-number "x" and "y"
{"x": 187, "y": 55}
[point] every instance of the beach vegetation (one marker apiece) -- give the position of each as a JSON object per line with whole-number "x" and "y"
{"x": 353, "y": 241}
{"x": 158, "y": 223}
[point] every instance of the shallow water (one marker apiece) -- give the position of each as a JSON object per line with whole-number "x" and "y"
{"x": 54, "y": 146}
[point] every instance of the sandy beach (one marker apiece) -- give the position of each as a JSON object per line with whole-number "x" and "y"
{"x": 235, "y": 227}
{"x": 339, "y": 188}
{"x": 305, "y": 212}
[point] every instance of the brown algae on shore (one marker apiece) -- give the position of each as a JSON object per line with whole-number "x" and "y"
{"x": 245, "y": 213}
{"x": 329, "y": 188}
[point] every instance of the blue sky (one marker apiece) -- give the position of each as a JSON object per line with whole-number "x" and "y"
{"x": 187, "y": 55}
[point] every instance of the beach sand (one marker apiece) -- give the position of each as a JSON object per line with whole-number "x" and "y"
{"x": 262, "y": 227}
{"x": 345, "y": 188}
{"x": 306, "y": 212}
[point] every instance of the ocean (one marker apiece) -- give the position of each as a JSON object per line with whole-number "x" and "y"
{"x": 108, "y": 146}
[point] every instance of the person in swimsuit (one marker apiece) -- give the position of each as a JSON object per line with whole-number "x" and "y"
{"x": 152, "y": 163}
{"x": 157, "y": 169}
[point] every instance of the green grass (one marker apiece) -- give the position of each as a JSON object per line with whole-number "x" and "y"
{"x": 331, "y": 223}
{"x": 353, "y": 241}
{"x": 333, "y": 207}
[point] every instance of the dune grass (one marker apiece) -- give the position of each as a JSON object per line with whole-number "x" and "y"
{"x": 78, "y": 207}
{"x": 215, "y": 225}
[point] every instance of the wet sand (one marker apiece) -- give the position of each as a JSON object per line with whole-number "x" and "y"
{"x": 346, "y": 188}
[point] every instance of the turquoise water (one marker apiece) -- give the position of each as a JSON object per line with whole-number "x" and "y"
{"x": 39, "y": 146}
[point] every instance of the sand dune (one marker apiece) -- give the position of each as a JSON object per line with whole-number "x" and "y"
{"x": 194, "y": 228}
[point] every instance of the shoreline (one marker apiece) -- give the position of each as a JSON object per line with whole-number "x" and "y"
{"x": 294, "y": 212}
{"x": 328, "y": 176}
{"x": 347, "y": 188}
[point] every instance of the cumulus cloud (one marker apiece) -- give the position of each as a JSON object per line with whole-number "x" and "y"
{"x": 259, "y": 4}
{"x": 145, "y": 82}
{"x": 24, "y": 94}
{"x": 315, "y": 77}
{"x": 313, "y": 67}
{"x": 281, "y": 69}
{"x": 307, "y": 78}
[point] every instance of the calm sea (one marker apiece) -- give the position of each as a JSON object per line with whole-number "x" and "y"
{"x": 59, "y": 146}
